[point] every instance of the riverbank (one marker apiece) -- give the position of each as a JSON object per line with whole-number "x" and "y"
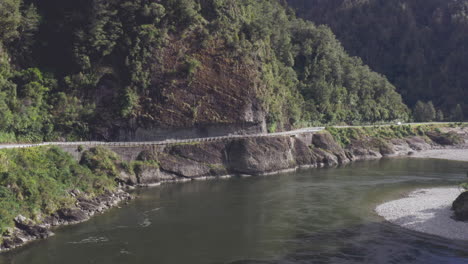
{"x": 427, "y": 211}
{"x": 130, "y": 167}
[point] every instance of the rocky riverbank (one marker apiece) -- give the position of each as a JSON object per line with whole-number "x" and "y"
{"x": 438, "y": 211}
{"x": 27, "y": 230}
{"x": 154, "y": 165}
{"x": 266, "y": 155}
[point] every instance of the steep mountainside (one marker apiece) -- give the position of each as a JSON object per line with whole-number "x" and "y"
{"x": 133, "y": 70}
{"x": 420, "y": 45}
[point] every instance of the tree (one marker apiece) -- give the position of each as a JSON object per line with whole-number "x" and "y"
{"x": 457, "y": 113}
{"x": 10, "y": 18}
{"x": 424, "y": 112}
{"x": 21, "y": 48}
{"x": 440, "y": 115}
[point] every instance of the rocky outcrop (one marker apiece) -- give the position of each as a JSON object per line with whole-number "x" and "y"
{"x": 27, "y": 230}
{"x": 325, "y": 141}
{"x": 417, "y": 143}
{"x": 460, "y": 207}
{"x": 264, "y": 155}
{"x": 255, "y": 156}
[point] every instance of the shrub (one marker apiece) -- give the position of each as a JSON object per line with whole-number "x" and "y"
{"x": 35, "y": 182}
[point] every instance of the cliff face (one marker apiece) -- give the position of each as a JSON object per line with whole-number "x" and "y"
{"x": 214, "y": 96}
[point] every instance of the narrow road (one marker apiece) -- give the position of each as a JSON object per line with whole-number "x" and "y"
{"x": 191, "y": 140}
{"x": 163, "y": 142}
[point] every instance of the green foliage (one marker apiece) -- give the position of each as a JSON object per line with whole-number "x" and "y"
{"x": 345, "y": 135}
{"x": 136, "y": 167}
{"x": 101, "y": 161}
{"x": 192, "y": 66}
{"x": 10, "y": 19}
{"x": 35, "y": 182}
{"x": 70, "y": 115}
{"x": 465, "y": 185}
{"x": 457, "y": 113}
{"x": 418, "y": 44}
{"x": 130, "y": 102}
{"x": 337, "y": 87}
{"x": 109, "y": 66}
{"x": 440, "y": 116}
{"x": 424, "y": 112}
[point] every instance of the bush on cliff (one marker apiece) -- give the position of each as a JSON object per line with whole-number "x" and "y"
{"x": 345, "y": 135}
{"x": 36, "y": 182}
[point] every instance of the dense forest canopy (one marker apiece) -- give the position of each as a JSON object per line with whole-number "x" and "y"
{"x": 73, "y": 69}
{"x": 420, "y": 45}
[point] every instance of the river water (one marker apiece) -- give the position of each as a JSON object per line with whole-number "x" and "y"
{"x": 310, "y": 216}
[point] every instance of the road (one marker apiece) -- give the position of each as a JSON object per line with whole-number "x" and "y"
{"x": 192, "y": 140}
{"x": 164, "y": 142}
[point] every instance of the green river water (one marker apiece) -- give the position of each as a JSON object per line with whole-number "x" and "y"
{"x": 310, "y": 216}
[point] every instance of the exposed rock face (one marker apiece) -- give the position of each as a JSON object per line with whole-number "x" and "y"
{"x": 182, "y": 167}
{"x": 148, "y": 174}
{"x": 128, "y": 178}
{"x": 460, "y": 207}
{"x": 211, "y": 153}
{"x": 326, "y": 142}
{"x": 418, "y": 143}
{"x": 72, "y": 215}
{"x": 260, "y": 155}
{"x": 370, "y": 148}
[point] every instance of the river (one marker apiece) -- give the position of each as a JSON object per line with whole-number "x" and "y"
{"x": 310, "y": 216}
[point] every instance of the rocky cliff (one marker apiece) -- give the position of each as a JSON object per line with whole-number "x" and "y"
{"x": 265, "y": 155}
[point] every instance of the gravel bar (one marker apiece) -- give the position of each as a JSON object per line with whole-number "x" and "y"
{"x": 427, "y": 211}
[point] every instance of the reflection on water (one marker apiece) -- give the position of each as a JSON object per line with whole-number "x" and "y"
{"x": 313, "y": 216}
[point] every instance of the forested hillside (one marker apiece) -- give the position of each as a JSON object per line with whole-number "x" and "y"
{"x": 90, "y": 69}
{"x": 420, "y": 45}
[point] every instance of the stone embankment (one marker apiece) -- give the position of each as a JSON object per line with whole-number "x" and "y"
{"x": 264, "y": 155}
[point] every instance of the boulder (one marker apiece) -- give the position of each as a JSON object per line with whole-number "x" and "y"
{"x": 29, "y": 229}
{"x": 460, "y": 207}
{"x": 326, "y": 142}
{"x": 302, "y": 153}
{"x": 147, "y": 174}
{"x": 401, "y": 147}
{"x": 446, "y": 139}
{"x": 322, "y": 157}
{"x": 183, "y": 167}
{"x": 127, "y": 178}
{"x": 417, "y": 143}
{"x": 255, "y": 156}
{"x": 72, "y": 215}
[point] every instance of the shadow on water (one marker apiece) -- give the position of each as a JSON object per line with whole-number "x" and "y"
{"x": 373, "y": 243}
